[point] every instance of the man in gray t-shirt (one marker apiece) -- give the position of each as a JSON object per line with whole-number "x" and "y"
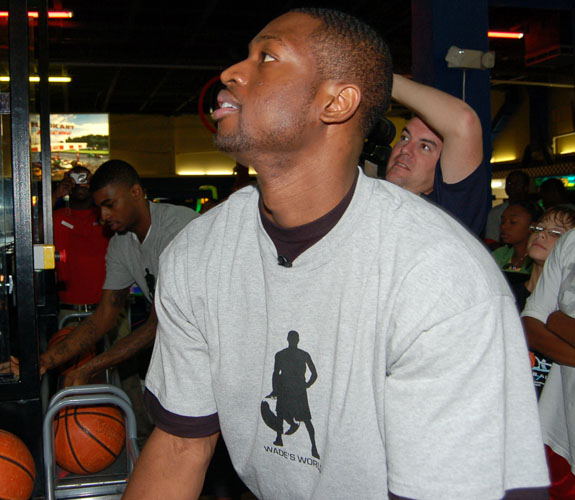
{"x": 143, "y": 230}
{"x": 410, "y": 377}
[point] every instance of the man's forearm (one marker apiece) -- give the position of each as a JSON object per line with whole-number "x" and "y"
{"x": 543, "y": 340}
{"x": 170, "y": 467}
{"x": 88, "y": 332}
{"x": 563, "y": 326}
{"x": 440, "y": 110}
{"x": 81, "y": 339}
{"x": 122, "y": 350}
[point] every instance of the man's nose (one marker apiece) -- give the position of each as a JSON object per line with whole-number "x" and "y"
{"x": 235, "y": 74}
{"x": 406, "y": 147}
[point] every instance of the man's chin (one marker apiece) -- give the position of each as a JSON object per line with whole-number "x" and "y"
{"x": 232, "y": 143}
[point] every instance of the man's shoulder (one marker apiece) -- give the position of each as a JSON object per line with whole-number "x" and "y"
{"x": 426, "y": 230}
{"x": 217, "y": 223}
{"x": 166, "y": 211}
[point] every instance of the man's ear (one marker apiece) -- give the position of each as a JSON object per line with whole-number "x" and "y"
{"x": 137, "y": 192}
{"x": 342, "y": 102}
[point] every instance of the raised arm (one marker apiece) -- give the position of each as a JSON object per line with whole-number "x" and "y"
{"x": 63, "y": 188}
{"x": 171, "y": 467}
{"x": 88, "y": 332}
{"x": 454, "y": 120}
{"x": 122, "y": 350}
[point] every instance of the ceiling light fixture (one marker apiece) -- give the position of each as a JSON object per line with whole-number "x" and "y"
{"x": 36, "y": 79}
{"x": 505, "y": 34}
{"x": 52, "y": 14}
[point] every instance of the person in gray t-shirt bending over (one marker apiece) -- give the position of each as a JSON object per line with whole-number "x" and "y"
{"x": 143, "y": 229}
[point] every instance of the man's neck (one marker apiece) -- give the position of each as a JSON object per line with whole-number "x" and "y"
{"x": 301, "y": 192}
{"x": 145, "y": 221}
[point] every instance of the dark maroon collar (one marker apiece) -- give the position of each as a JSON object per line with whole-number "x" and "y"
{"x": 292, "y": 242}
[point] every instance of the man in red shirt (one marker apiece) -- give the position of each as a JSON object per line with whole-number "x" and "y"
{"x": 79, "y": 234}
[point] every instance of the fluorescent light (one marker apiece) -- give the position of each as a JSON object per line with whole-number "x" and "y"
{"x": 505, "y": 34}
{"x": 497, "y": 183}
{"x": 52, "y": 14}
{"x": 36, "y": 79}
{"x": 503, "y": 158}
{"x": 58, "y": 79}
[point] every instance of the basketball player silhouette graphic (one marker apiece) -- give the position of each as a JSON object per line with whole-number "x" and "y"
{"x": 290, "y": 386}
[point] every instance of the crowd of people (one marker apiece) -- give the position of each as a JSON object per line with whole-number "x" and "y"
{"x": 407, "y": 360}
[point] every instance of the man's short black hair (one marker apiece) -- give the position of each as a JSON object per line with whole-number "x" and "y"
{"x": 114, "y": 172}
{"x": 346, "y": 48}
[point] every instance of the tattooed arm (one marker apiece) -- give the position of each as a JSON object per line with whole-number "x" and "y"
{"x": 88, "y": 332}
{"x": 122, "y": 350}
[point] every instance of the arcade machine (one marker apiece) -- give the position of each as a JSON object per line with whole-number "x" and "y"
{"x": 28, "y": 305}
{"x": 23, "y": 305}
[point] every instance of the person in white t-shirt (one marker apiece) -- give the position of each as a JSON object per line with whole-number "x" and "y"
{"x": 549, "y": 321}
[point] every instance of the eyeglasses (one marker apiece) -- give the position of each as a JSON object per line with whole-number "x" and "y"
{"x": 553, "y": 233}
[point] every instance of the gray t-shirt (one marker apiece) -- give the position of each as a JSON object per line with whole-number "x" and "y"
{"x": 408, "y": 373}
{"x": 127, "y": 259}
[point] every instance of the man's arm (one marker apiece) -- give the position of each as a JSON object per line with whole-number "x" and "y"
{"x": 64, "y": 188}
{"x": 542, "y": 339}
{"x": 450, "y": 117}
{"x": 88, "y": 332}
{"x": 563, "y": 326}
{"x": 171, "y": 467}
{"x": 122, "y": 350}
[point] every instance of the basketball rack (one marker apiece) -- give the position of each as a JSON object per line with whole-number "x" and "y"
{"x": 108, "y": 484}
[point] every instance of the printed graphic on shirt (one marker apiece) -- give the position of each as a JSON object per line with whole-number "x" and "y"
{"x": 540, "y": 368}
{"x": 289, "y": 390}
{"x": 151, "y": 282}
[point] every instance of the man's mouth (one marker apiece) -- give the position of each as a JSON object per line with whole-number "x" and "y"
{"x": 227, "y": 105}
{"x": 401, "y": 165}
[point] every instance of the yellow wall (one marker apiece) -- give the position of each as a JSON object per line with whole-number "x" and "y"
{"x": 144, "y": 141}
{"x": 510, "y": 143}
{"x": 561, "y": 104}
{"x": 161, "y": 146}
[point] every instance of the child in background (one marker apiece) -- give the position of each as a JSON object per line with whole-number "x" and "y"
{"x": 515, "y": 222}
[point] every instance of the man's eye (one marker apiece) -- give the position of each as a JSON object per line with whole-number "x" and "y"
{"x": 426, "y": 147}
{"x": 404, "y": 138}
{"x": 268, "y": 58}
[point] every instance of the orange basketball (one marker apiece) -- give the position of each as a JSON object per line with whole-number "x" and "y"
{"x": 87, "y": 439}
{"x": 78, "y": 360}
{"x": 17, "y": 471}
